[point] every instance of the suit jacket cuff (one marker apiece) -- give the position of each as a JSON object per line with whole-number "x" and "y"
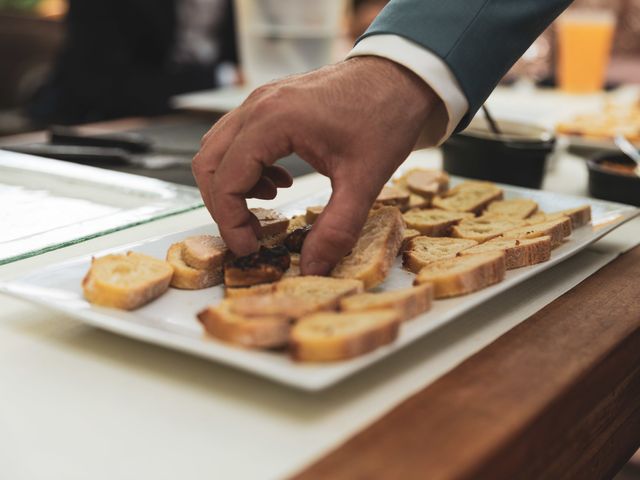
{"x": 430, "y": 68}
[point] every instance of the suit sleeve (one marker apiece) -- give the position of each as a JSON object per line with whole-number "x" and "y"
{"x": 479, "y": 40}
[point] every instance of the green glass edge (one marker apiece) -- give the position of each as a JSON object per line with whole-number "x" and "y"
{"x": 102, "y": 233}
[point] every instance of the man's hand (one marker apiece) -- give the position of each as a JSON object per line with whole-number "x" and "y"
{"x": 354, "y": 122}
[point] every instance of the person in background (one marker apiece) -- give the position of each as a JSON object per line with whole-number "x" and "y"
{"x": 128, "y": 57}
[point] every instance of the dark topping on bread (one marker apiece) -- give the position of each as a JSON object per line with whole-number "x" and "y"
{"x": 295, "y": 239}
{"x": 266, "y": 265}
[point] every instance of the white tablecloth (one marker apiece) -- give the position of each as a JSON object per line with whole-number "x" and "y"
{"x": 81, "y": 403}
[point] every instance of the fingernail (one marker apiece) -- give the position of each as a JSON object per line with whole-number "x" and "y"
{"x": 316, "y": 267}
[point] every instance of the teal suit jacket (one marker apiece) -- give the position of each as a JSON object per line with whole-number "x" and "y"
{"x": 478, "y": 39}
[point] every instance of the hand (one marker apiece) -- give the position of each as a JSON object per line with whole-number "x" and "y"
{"x": 354, "y": 122}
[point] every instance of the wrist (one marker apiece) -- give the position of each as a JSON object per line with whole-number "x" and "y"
{"x": 408, "y": 89}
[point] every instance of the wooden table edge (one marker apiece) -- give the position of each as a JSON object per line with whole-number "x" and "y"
{"x": 558, "y": 396}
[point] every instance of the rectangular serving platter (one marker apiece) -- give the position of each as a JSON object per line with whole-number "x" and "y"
{"x": 170, "y": 321}
{"x": 47, "y": 204}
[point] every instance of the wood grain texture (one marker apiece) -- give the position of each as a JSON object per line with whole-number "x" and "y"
{"x": 556, "y": 397}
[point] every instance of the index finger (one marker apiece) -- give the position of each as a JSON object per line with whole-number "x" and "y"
{"x": 239, "y": 171}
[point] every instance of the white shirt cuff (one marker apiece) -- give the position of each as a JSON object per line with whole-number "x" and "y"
{"x": 430, "y": 68}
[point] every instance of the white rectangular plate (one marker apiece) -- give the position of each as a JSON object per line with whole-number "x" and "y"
{"x": 170, "y": 321}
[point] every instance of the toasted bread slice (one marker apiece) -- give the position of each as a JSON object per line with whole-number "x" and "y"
{"x": 557, "y": 229}
{"x": 296, "y": 297}
{"x": 408, "y": 235}
{"x": 299, "y": 221}
{"x": 579, "y": 216}
{"x": 417, "y": 201}
{"x": 313, "y": 213}
{"x": 456, "y": 276}
{"x": 186, "y": 277}
{"x": 253, "y": 332}
{"x": 376, "y": 249}
{"x": 518, "y": 252}
{"x": 538, "y": 217}
{"x": 469, "y": 196}
{"x": 295, "y": 239}
{"x": 326, "y": 337}
{"x": 264, "y": 266}
{"x": 271, "y": 222}
{"x": 515, "y": 208}
{"x": 204, "y": 252}
{"x": 421, "y": 180}
{"x": 392, "y": 196}
{"x": 434, "y": 222}
{"x": 126, "y": 281}
{"x": 409, "y": 302}
{"x": 422, "y": 251}
{"x": 483, "y": 228}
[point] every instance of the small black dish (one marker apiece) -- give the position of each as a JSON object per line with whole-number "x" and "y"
{"x": 608, "y": 181}
{"x": 517, "y": 157}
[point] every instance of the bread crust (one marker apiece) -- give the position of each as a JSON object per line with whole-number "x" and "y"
{"x": 557, "y": 230}
{"x": 313, "y": 213}
{"x": 327, "y": 337}
{"x": 392, "y": 196}
{"x": 126, "y": 281}
{"x": 457, "y": 276}
{"x": 518, "y": 252}
{"x": 376, "y": 249}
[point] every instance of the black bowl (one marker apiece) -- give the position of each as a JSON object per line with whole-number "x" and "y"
{"x": 608, "y": 184}
{"x": 518, "y": 157}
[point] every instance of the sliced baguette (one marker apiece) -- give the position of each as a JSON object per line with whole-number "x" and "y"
{"x": 261, "y": 289}
{"x": 186, "y": 277}
{"x": 392, "y": 196}
{"x": 452, "y": 277}
{"x": 579, "y": 216}
{"x": 295, "y": 297}
{"x": 408, "y": 235}
{"x": 469, "y": 196}
{"x": 313, "y": 213}
{"x": 516, "y": 208}
{"x": 271, "y": 222}
{"x": 204, "y": 252}
{"x": 326, "y": 337}
{"x": 126, "y": 281}
{"x": 483, "y": 228}
{"x": 518, "y": 252}
{"x": 422, "y": 251}
{"x": 434, "y": 222}
{"x": 253, "y": 332}
{"x": 409, "y": 302}
{"x": 421, "y": 180}
{"x": 417, "y": 201}
{"x": 558, "y": 230}
{"x": 376, "y": 248}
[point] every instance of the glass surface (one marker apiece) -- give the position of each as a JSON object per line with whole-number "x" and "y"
{"x": 47, "y": 204}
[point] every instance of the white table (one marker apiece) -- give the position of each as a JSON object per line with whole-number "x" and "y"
{"x": 79, "y": 403}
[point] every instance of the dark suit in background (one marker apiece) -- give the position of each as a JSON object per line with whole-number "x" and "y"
{"x": 117, "y": 61}
{"x": 479, "y": 40}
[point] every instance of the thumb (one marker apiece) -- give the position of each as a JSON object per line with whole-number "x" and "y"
{"x": 336, "y": 230}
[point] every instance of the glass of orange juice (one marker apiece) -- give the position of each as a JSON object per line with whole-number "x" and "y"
{"x": 584, "y": 49}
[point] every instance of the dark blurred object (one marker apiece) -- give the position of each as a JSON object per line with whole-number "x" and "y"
{"x": 119, "y": 59}
{"x": 363, "y": 13}
{"x": 518, "y": 157}
{"x": 611, "y": 177}
{"x": 28, "y": 46}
